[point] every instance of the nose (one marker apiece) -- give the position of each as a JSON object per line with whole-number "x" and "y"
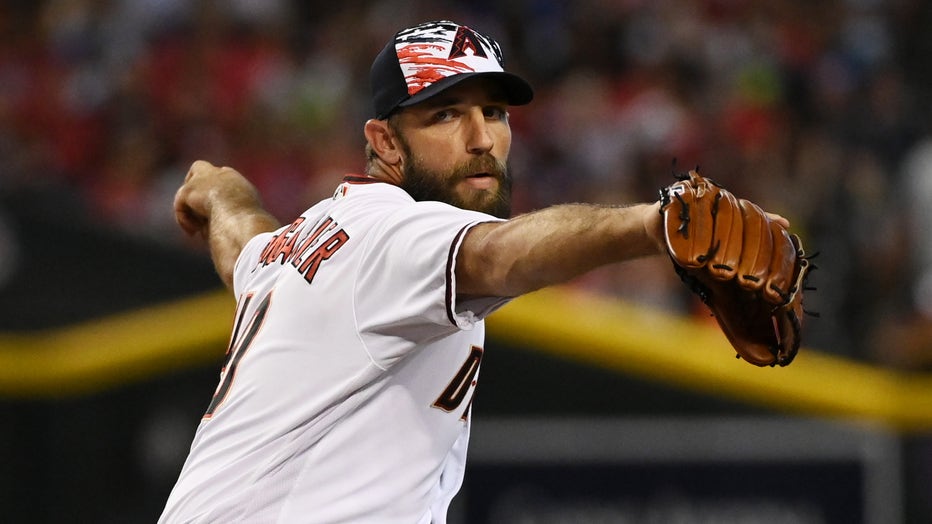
{"x": 479, "y": 139}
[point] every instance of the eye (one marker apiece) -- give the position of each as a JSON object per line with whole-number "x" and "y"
{"x": 495, "y": 113}
{"x": 444, "y": 115}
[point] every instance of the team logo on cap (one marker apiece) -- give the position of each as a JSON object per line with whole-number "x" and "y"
{"x": 431, "y": 52}
{"x": 464, "y": 39}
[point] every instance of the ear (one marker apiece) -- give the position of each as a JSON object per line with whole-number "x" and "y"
{"x": 382, "y": 141}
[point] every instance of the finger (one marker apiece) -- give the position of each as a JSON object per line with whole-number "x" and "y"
{"x": 199, "y": 167}
{"x": 190, "y": 221}
{"x": 779, "y": 220}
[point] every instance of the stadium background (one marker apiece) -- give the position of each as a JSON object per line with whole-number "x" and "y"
{"x": 113, "y": 326}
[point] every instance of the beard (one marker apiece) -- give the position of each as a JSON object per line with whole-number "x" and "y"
{"x": 428, "y": 185}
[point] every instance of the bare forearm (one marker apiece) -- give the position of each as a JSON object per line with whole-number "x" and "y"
{"x": 228, "y": 233}
{"x": 553, "y": 246}
{"x": 220, "y": 205}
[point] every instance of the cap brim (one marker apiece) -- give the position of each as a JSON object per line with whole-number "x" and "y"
{"x": 517, "y": 91}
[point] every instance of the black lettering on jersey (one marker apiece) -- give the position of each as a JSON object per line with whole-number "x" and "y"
{"x": 281, "y": 244}
{"x": 324, "y": 226}
{"x": 282, "y": 247}
{"x": 239, "y": 345}
{"x": 325, "y": 251}
{"x": 462, "y": 382}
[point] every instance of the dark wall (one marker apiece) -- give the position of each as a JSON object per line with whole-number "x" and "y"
{"x": 60, "y": 269}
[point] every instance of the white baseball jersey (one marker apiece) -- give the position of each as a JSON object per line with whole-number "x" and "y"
{"x": 347, "y": 387}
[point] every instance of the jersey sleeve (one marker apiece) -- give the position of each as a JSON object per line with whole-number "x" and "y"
{"x": 464, "y": 312}
{"x": 247, "y": 260}
{"x": 406, "y": 285}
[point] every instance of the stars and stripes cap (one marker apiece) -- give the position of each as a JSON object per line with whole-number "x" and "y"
{"x": 421, "y": 61}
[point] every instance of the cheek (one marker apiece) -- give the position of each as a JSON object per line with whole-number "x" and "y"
{"x": 430, "y": 164}
{"x": 502, "y": 138}
{"x": 434, "y": 154}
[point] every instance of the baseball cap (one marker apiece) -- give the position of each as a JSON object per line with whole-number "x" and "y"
{"x": 421, "y": 61}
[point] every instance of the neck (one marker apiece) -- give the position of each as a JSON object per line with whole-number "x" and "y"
{"x": 384, "y": 172}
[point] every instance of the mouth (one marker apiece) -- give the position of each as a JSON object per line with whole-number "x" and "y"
{"x": 481, "y": 180}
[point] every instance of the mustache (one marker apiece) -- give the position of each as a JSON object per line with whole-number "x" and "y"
{"x": 482, "y": 164}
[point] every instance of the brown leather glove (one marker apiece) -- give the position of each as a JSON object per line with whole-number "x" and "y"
{"x": 745, "y": 266}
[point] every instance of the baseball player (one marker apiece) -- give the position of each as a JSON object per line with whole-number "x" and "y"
{"x": 358, "y": 335}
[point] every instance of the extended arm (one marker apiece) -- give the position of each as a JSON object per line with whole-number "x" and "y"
{"x": 552, "y": 246}
{"x": 224, "y": 208}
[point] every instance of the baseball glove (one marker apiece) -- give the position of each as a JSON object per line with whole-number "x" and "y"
{"x": 743, "y": 265}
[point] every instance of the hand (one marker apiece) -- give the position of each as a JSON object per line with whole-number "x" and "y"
{"x": 207, "y": 188}
{"x": 225, "y": 209}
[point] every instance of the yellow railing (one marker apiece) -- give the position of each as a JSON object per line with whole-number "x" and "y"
{"x": 626, "y": 338}
{"x": 694, "y": 355}
{"x": 119, "y": 349}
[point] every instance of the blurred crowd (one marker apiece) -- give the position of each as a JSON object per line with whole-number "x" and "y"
{"x": 815, "y": 109}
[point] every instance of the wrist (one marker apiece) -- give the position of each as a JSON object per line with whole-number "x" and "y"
{"x": 653, "y": 226}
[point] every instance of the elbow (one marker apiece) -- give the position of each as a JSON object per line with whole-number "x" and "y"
{"x": 494, "y": 268}
{"x": 481, "y": 267}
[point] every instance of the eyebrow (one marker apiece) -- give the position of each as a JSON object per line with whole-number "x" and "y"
{"x": 441, "y": 100}
{"x": 445, "y": 99}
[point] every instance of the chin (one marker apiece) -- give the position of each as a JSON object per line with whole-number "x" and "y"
{"x": 488, "y": 202}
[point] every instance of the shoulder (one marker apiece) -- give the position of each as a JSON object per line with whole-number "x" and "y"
{"x": 388, "y": 203}
{"x": 356, "y": 187}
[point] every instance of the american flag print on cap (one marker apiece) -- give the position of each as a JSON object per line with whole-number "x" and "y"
{"x": 421, "y": 61}
{"x": 433, "y": 51}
